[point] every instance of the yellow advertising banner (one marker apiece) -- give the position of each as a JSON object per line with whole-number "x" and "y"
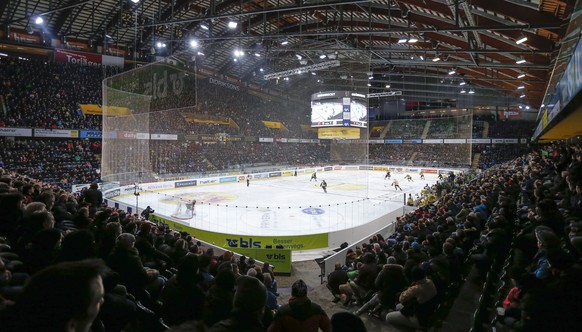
{"x": 338, "y": 133}
{"x": 275, "y": 125}
{"x": 94, "y": 109}
{"x": 232, "y": 241}
{"x": 280, "y": 259}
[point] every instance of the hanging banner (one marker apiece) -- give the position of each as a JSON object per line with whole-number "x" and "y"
{"x": 77, "y": 58}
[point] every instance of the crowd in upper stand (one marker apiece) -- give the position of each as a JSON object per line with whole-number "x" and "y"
{"x": 47, "y": 95}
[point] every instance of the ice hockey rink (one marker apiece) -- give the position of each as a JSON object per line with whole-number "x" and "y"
{"x": 291, "y": 205}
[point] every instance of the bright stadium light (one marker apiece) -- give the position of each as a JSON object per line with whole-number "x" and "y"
{"x": 193, "y": 43}
{"x": 521, "y": 76}
{"x": 521, "y": 40}
{"x": 135, "y": 1}
{"x": 232, "y": 25}
{"x": 39, "y": 20}
{"x": 521, "y": 87}
{"x": 520, "y": 61}
{"x": 204, "y": 26}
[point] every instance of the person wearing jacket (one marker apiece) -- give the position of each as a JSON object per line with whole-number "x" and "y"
{"x": 300, "y": 314}
{"x": 389, "y": 282}
{"x": 420, "y": 296}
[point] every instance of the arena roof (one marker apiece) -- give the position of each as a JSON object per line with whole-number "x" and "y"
{"x": 400, "y": 38}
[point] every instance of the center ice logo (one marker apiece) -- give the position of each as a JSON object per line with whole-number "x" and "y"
{"x": 313, "y": 211}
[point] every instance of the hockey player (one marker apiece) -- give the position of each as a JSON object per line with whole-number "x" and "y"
{"x": 248, "y": 180}
{"x": 387, "y": 176}
{"x": 191, "y": 207}
{"x": 440, "y": 176}
{"x": 409, "y": 178}
{"x": 421, "y": 175}
{"x": 323, "y": 186}
{"x": 313, "y": 177}
{"x": 396, "y": 185}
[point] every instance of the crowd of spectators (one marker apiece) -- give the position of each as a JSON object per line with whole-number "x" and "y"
{"x": 47, "y": 95}
{"x": 61, "y": 161}
{"x": 405, "y": 128}
{"x": 494, "y": 154}
{"x": 530, "y": 206}
{"x": 103, "y": 269}
{"x": 426, "y": 155}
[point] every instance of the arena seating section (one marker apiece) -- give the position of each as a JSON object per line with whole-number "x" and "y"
{"x": 484, "y": 223}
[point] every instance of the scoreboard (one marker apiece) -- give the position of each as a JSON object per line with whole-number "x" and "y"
{"x": 339, "y": 109}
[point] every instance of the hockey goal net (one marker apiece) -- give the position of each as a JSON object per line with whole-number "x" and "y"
{"x": 184, "y": 210}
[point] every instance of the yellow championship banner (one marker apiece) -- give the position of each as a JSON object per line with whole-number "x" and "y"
{"x": 94, "y": 109}
{"x": 205, "y": 118}
{"x": 275, "y": 125}
{"x": 545, "y": 119}
{"x": 338, "y": 133}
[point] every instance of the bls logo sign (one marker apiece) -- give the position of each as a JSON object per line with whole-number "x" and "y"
{"x": 275, "y": 256}
{"x": 242, "y": 243}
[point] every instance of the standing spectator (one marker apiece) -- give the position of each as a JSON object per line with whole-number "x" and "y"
{"x": 94, "y": 197}
{"x": 300, "y": 314}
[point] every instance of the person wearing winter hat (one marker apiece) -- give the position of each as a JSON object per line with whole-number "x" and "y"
{"x": 249, "y": 303}
{"x": 300, "y": 314}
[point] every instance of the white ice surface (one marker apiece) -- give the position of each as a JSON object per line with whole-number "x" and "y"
{"x": 286, "y": 205}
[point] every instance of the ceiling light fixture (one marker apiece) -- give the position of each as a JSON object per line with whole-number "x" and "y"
{"x": 200, "y": 53}
{"x": 521, "y": 87}
{"x": 452, "y": 71}
{"x": 323, "y": 56}
{"x": 204, "y": 26}
{"x": 193, "y": 43}
{"x": 471, "y": 91}
{"x": 522, "y": 96}
{"x": 299, "y": 57}
{"x": 261, "y": 70}
{"x": 387, "y": 86}
{"x": 412, "y": 40}
{"x": 521, "y": 40}
{"x": 422, "y": 58}
{"x": 238, "y": 53}
{"x": 520, "y": 61}
{"x": 436, "y": 58}
{"x": 285, "y": 42}
{"x": 462, "y": 83}
{"x": 39, "y": 20}
{"x": 257, "y": 55}
{"x": 232, "y": 24}
{"x": 521, "y": 76}
{"x": 135, "y": 1}
{"x": 463, "y": 91}
{"x": 402, "y": 40}
{"x": 369, "y": 84}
